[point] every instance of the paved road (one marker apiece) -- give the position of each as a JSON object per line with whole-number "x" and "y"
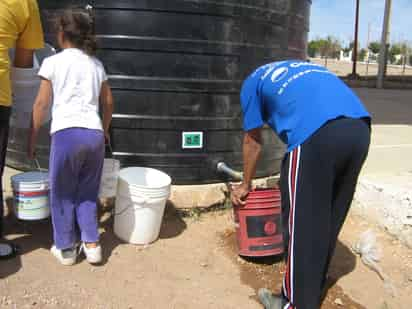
{"x": 391, "y": 149}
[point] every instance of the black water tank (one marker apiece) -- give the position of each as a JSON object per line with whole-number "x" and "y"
{"x": 176, "y": 66}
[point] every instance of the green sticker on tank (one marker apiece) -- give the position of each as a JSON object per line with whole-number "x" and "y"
{"x": 192, "y": 140}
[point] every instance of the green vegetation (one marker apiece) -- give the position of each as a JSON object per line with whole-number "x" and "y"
{"x": 330, "y": 47}
{"x": 362, "y": 54}
{"x": 374, "y": 47}
{"x": 394, "y": 51}
{"x": 326, "y": 48}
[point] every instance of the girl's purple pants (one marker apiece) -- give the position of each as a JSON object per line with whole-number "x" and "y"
{"x": 75, "y": 169}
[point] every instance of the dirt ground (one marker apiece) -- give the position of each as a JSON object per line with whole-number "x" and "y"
{"x": 194, "y": 264}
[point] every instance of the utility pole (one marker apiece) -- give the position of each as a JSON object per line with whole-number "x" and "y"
{"x": 404, "y": 55}
{"x": 367, "y": 48}
{"x": 383, "y": 54}
{"x": 355, "y": 43}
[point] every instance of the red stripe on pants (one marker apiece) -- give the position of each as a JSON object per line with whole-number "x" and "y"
{"x": 292, "y": 183}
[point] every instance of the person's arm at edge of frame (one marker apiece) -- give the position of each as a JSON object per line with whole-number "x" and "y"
{"x": 252, "y": 147}
{"x": 40, "y": 110}
{"x": 23, "y": 58}
{"x": 106, "y": 100}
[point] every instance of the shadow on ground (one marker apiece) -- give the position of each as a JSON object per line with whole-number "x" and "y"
{"x": 268, "y": 272}
{"x": 343, "y": 263}
{"x": 29, "y": 236}
{"x": 172, "y": 226}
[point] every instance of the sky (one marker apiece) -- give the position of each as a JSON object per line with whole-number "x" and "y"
{"x": 337, "y": 18}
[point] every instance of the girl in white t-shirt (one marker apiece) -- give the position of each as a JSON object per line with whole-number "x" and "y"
{"x": 77, "y": 82}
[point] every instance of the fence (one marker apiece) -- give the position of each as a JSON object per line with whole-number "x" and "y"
{"x": 396, "y": 75}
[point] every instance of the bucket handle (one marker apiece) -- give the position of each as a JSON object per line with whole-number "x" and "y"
{"x": 109, "y": 145}
{"x": 140, "y": 199}
{"x": 36, "y": 162}
{"x": 114, "y": 213}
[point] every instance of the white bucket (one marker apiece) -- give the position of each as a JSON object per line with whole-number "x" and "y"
{"x": 126, "y": 190}
{"x": 110, "y": 175}
{"x": 31, "y": 195}
{"x": 140, "y": 203}
{"x": 25, "y": 86}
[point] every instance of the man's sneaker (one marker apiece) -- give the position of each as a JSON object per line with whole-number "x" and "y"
{"x": 66, "y": 257}
{"x": 93, "y": 255}
{"x": 270, "y": 301}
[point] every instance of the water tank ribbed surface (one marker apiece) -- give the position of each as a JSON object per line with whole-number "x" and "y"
{"x": 177, "y": 66}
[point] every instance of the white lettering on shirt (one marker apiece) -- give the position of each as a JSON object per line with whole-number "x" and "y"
{"x": 298, "y": 76}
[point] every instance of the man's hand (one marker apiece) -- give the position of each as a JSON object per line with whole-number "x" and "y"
{"x": 239, "y": 194}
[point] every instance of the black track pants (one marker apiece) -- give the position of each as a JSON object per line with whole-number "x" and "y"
{"x": 318, "y": 182}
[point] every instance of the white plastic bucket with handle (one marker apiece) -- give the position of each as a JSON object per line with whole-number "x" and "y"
{"x": 140, "y": 203}
{"x": 31, "y": 195}
{"x": 110, "y": 175}
{"x": 25, "y": 86}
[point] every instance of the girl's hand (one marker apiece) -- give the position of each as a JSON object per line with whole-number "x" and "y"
{"x": 31, "y": 144}
{"x": 31, "y": 151}
{"x": 107, "y": 138}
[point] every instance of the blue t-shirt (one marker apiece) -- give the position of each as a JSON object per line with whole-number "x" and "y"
{"x": 295, "y": 99}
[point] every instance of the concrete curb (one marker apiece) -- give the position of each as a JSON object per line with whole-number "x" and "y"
{"x": 205, "y": 196}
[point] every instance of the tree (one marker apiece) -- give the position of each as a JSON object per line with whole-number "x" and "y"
{"x": 313, "y": 48}
{"x": 362, "y": 54}
{"x": 336, "y": 47}
{"x": 323, "y": 47}
{"x": 394, "y": 51}
{"x": 329, "y": 48}
{"x": 405, "y": 51}
{"x": 374, "y": 47}
{"x": 326, "y": 48}
{"x": 349, "y": 47}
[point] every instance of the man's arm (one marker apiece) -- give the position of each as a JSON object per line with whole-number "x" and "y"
{"x": 23, "y": 58}
{"x": 252, "y": 147}
{"x": 30, "y": 39}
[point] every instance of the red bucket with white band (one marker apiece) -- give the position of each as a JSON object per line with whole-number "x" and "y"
{"x": 259, "y": 225}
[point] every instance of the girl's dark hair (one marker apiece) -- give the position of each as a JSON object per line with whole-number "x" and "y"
{"x": 78, "y": 28}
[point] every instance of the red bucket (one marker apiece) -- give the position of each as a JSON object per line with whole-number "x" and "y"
{"x": 258, "y": 224}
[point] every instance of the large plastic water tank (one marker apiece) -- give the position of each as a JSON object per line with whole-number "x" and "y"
{"x": 176, "y": 67}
